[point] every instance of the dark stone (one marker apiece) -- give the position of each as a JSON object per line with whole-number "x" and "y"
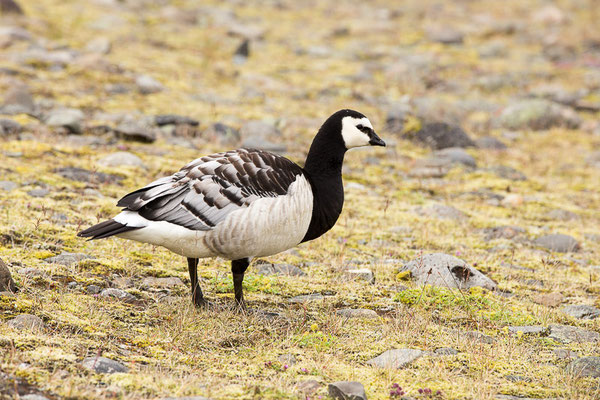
{"x": 135, "y": 132}
{"x": 6, "y": 281}
{"x": 9, "y": 127}
{"x": 347, "y": 391}
{"x": 243, "y": 49}
{"x": 84, "y": 175}
{"x": 103, "y": 365}
{"x": 581, "y": 311}
{"x": 558, "y": 242}
{"x": 93, "y": 289}
{"x": 172, "y": 119}
{"x": 10, "y": 7}
{"x": 118, "y": 294}
{"x": 585, "y": 366}
{"x": 440, "y": 135}
{"x": 396, "y": 358}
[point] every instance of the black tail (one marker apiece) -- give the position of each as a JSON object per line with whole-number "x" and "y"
{"x": 105, "y": 229}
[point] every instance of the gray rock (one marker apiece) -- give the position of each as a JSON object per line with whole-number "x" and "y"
{"x": 27, "y": 322}
{"x": 169, "y": 282}
{"x": 186, "y": 398}
{"x": 136, "y": 132}
{"x": 31, "y": 272}
{"x": 18, "y": 100}
{"x": 266, "y": 268}
{"x": 394, "y": 121}
{"x": 444, "y": 35}
{"x": 441, "y": 211}
{"x": 148, "y": 85}
{"x": 84, "y": 175}
{"x": 568, "y": 334}
{"x": 9, "y": 127}
{"x": 593, "y": 159}
{"x": 118, "y": 294}
{"x": 364, "y": 274}
{"x": 305, "y": 298}
{"x": 456, "y": 155}
{"x": 287, "y": 359}
{"x": 517, "y": 378}
{"x": 431, "y": 167}
{"x": 67, "y": 258}
{"x": 479, "y": 337}
{"x": 103, "y": 365}
{"x": 258, "y": 142}
{"x": 347, "y": 391}
{"x": 558, "y": 242}
{"x": 6, "y": 282}
{"x": 69, "y": 118}
{"x": 444, "y": 270}
{"x": 99, "y": 45}
{"x": 10, "y": 7}
{"x": 565, "y": 354}
{"x": 445, "y": 351}
{"x": 528, "y": 329}
{"x": 121, "y": 158}
{"x": 93, "y": 289}
{"x": 581, "y": 311}
{"x": 508, "y": 173}
{"x": 308, "y": 387}
{"x": 259, "y": 129}
{"x": 356, "y": 313}
{"x": 440, "y": 135}
{"x": 8, "y": 185}
{"x": 39, "y": 192}
{"x": 396, "y": 358}
{"x": 33, "y": 396}
{"x": 223, "y": 133}
{"x": 538, "y": 114}
{"x": 490, "y": 143}
{"x": 563, "y": 215}
{"x": 502, "y": 232}
{"x": 172, "y": 119}
{"x": 585, "y": 366}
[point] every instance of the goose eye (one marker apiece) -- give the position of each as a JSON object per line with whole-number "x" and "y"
{"x": 364, "y": 129}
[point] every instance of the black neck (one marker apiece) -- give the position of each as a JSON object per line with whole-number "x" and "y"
{"x": 323, "y": 168}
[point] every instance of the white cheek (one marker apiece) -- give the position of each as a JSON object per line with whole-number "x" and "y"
{"x": 354, "y": 138}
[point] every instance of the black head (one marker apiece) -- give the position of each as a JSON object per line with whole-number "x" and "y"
{"x": 353, "y": 128}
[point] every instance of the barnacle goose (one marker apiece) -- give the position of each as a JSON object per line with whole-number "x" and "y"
{"x": 243, "y": 203}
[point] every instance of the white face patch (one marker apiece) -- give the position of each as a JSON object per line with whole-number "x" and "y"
{"x": 352, "y": 135}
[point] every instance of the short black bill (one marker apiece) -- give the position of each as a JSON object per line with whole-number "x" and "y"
{"x": 376, "y": 140}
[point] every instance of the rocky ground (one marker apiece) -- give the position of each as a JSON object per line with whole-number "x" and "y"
{"x": 465, "y": 265}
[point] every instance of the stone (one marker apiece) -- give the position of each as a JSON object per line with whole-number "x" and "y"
{"x": 9, "y": 127}
{"x": 528, "y": 330}
{"x": 99, "y": 45}
{"x": 69, "y": 118}
{"x": 568, "y": 334}
{"x": 186, "y": 398}
{"x": 287, "y": 359}
{"x": 565, "y": 354}
{"x": 502, "y": 232}
{"x": 347, "y": 391}
{"x": 33, "y": 396}
{"x": 135, "y": 132}
{"x": 67, "y": 259}
{"x": 242, "y": 53}
{"x": 490, "y": 143}
{"x": 356, "y": 313}
{"x": 538, "y": 114}
{"x": 439, "y": 269}
{"x": 364, "y": 274}
{"x": 549, "y": 299}
{"x": 396, "y": 116}
{"x": 148, "y": 85}
{"x": 562, "y": 215}
{"x": 223, "y": 133}
{"x": 558, "y": 242}
{"x": 93, "y": 289}
{"x": 169, "y": 282}
{"x": 430, "y": 168}
{"x": 31, "y": 272}
{"x": 456, "y": 155}
{"x": 479, "y": 337}
{"x": 103, "y": 365}
{"x": 266, "y": 268}
{"x": 517, "y": 378}
{"x": 260, "y": 129}
{"x": 27, "y": 322}
{"x": 308, "y": 387}
{"x": 8, "y": 185}
{"x": 441, "y": 211}
{"x": 10, "y": 7}
{"x": 445, "y": 351}
{"x": 444, "y": 35}
{"x": 585, "y": 366}
{"x": 512, "y": 200}
{"x": 39, "y": 192}
{"x": 121, "y": 158}
{"x": 118, "y": 294}
{"x": 84, "y": 175}
{"x": 6, "y": 282}
{"x": 549, "y": 15}
{"x": 258, "y": 142}
{"x": 305, "y": 298}
{"x": 593, "y": 159}
{"x": 508, "y": 173}
{"x": 581, "y": 311}
{"x": 440, "y": 135}
{"x": 396, "y": 358}
{"x": 172, "y": 119}
{"x": 18, "y": 100}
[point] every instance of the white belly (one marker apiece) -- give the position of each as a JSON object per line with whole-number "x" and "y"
{"x": 268, "y": 226}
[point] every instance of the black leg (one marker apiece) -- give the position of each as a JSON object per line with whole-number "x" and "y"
{"x": 238, "y": 268}
{"x": 197, "y": 296}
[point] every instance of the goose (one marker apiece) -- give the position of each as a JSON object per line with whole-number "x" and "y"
{"x": 243, "y": 203}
